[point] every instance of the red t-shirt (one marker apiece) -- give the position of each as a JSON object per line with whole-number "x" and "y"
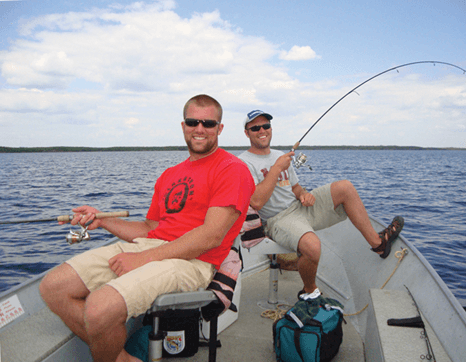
{"x": 185, "y": 192}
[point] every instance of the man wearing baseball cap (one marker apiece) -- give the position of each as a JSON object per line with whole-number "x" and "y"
{"x": 291, "y": 214}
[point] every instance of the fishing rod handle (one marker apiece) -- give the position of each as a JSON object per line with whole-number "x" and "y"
{"x": 100, "y": 215}
{"x": 295, "y": 147}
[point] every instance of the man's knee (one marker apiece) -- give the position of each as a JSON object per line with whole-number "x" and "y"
{"x": 342, "y": 191}
{"x": 60, "y": 281}
{"x": 104, "y": 308}
{"x": 342, "y": 186}
{"x": 309, "y": 246}
{"x": 48, "y": 285}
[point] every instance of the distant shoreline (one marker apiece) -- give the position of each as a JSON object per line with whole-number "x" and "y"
{"x": 184, "y": 148}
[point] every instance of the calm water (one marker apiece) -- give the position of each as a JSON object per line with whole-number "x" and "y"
{"x": 426, "y": 187}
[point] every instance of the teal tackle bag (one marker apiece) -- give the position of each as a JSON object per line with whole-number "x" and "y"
{"x": 311, "y": 331}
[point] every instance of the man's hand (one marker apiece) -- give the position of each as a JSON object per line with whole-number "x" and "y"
{"x": 82, "y": 215}
{"x": 125, "y": 262}
{"x": 284, "y": 161}
{"x": 307, "y": 199}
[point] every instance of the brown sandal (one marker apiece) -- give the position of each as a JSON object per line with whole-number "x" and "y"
{"x": 388, "y": 235}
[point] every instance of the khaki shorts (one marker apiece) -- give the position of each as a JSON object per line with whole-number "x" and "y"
{"x": 289, "y": 225}
{"x": 141, "y": 286}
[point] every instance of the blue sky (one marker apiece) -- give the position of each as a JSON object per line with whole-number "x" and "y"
{"x": 117, "y": 73}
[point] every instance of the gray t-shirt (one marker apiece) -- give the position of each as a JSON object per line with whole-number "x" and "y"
{"x": 282, "y": 195}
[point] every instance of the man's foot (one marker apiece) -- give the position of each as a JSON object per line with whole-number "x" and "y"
{"x": 306, "y": 296}
{"x": 388, "y": 235}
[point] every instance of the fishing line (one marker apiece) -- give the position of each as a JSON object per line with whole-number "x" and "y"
{"x": 368, "y": 80}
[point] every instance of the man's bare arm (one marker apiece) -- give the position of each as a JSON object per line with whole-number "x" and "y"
{"x": 218, "y": 222}
{"x": 265, "y": 188}
{"x": 125, "y": 230}
{"x": 209, "y": 235}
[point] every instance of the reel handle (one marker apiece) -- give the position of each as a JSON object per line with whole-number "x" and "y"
{"x": 100, "y": 215}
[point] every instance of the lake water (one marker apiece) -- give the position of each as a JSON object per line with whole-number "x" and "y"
{"x": 426, "y": 187}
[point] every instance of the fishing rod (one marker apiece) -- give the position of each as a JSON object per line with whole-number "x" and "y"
{"x": 301, "y": 159}
{"x": 73, "y": 237}
{"x": 430, "y": 352}
{"x": 68, "y": 218}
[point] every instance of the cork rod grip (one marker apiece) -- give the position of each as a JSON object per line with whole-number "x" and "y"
{"x": 103, "y": 215}
{"x": 100, "y": 215}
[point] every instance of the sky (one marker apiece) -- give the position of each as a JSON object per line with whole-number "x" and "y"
{"x": 118, "y": 73}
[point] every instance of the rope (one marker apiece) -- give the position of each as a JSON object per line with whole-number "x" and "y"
{"x": 400, "y": 254}
{"x": 276, "y": 313}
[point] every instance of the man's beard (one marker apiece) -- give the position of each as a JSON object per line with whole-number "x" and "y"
{"x": 259, "y": 145}
{"x": 201, "y": 150}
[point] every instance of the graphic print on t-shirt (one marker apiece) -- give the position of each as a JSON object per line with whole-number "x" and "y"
{"x": 177, "y": 195}
{"x": 283, "y": 179}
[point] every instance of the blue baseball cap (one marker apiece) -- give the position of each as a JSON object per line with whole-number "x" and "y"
{"x": 254, "y": 114}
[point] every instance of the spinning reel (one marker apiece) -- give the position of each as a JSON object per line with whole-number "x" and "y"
{"x": 301, "y": 161}
{"x": 75, "y": 237}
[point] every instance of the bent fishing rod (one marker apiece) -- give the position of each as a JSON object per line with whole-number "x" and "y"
{"x": 302, "y": 158}
{"x": 73, "y": 237}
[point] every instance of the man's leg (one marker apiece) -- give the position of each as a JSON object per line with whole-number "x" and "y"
{"x": 105, "y": 316}
{"x": 309, "y": 247}
{"x": 344, "y": 193}
{"x": 65, "y": 294}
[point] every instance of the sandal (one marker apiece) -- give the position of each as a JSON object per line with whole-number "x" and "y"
{"x": 388, "y": 235}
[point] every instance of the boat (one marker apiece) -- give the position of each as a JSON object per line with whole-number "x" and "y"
{"x": 372, "y": 290}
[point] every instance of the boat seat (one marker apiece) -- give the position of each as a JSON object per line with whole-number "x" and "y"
{"x": 397, "y": 343}
{"x": 219, "y": 319}
{"x": 192, "y": 300}
{"x": 270, "y": 247}
{"x": 179, "y": 301}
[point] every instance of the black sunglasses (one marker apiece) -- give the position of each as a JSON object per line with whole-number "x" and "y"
{"x": 206, "y": 123}
{"x": 258, "y": 128}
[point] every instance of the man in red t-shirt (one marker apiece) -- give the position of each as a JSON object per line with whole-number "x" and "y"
{"x": 197, "y": 210}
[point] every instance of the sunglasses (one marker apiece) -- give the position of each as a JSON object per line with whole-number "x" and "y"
{"x": 258, "y": 128}
{"x": 206, "y": 123}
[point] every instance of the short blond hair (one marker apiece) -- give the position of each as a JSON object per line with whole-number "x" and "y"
{"x": 203, "y": 100}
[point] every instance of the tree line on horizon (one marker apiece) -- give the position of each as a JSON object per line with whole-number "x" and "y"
{"x": 184, "y": 148}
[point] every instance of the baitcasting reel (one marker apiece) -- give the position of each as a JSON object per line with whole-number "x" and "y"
{"x": 301, "y": 161}
{"x": 75, "y": 237}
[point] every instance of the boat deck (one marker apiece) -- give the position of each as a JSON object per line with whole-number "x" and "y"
{"x": 250, "y": 337}
{"x": 347, "y": 272}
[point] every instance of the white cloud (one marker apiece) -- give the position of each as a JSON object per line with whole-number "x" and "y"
{"x": 131, "y": 122}
{"x": 146, "y": 48}
{"x": 299, "y": 53}
{"x": 121, "y": 75}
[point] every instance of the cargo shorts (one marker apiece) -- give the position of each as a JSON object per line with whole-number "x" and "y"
{"x": 288, "y": 226}
{"x": 141, "y": 286}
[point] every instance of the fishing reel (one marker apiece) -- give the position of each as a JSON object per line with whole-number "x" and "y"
{"x": 75, "y": 237}
{"x": 301, "y": 161}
